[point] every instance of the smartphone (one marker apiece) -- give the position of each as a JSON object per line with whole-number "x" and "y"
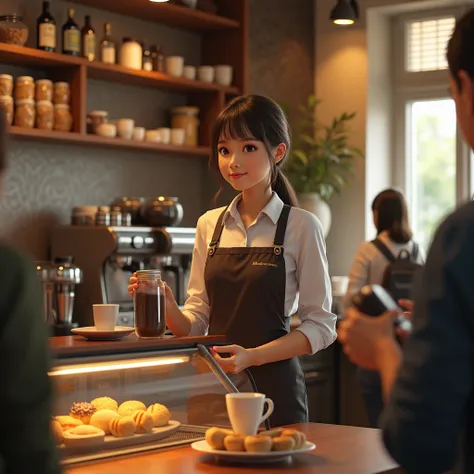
{"x": 373, "y": 300}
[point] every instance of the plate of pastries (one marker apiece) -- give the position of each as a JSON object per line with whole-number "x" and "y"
{"x": 103, "y": 423}
{"x": 266, "y": 446}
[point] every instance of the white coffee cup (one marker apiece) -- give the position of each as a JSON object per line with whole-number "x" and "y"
{"x": 189, "y": 72}
{"x": 178, "y": 136}
{"x": 139, "y": 134}
{"x": 105, "y": 316}
{"x": 125, "y": 128}
{"x": 339, "y": 285}
{"x": 245, "y": 411}
{"x": 224, "y": 75}
{"x": 175, "y": 65}
{"x": 165, "y": 135}
{"x": 206, "y": 73}
{"x": 153, "y": 136}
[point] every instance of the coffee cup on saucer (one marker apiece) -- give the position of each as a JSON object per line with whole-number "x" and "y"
{"x": 105, "y": 316}
{"x": 245, "y": 411}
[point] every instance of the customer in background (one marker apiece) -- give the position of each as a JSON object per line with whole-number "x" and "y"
{"x": 26, "y": 445}
{"x": 428, "y": 423}
{"x": 394, "y": 235}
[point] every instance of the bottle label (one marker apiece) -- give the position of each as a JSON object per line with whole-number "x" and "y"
{"x": 108, "y": 54}
{"x": 89, "y": 47}
{"x": 47, "y": 35}
{"x": 72, "y": 41}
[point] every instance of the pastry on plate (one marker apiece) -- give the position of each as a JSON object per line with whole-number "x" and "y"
{"x": 283, "y": 443}
{"x": 68, "y": 422}
{"x": 122, "y": 427}
{"x": 299, "y": 437}
{"x": 258, "y": 444}
{"x": 105, "y": 403}
{"x": 130, "y": 407}
{"x": 56, "y": 431}
{"x": 272, "y": 433}
{"x": 82, "y": 411}
{"x": 234, "y": 442}
{"x": 215, "y": 437}
{"x": 144, "y": 421}
{"x": 102, "y": 418}
{"x": 160, "y": 414}
{"x": 83, "y": 435}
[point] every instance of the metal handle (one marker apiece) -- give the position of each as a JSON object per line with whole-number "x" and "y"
{"x": 216, "y": 369}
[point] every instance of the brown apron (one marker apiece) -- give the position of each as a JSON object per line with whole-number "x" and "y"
{"x": 246, "y": 290}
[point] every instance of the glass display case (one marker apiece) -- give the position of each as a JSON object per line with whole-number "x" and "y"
{"x": 181, "y": 380}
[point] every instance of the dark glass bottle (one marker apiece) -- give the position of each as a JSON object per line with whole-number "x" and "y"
{"x": 88, "y": 40}
{"x": 46, "y": 30}
{"x": 158, "y": 58}
{"x": 71, "y": 36}
{"x": 147, "y": 60}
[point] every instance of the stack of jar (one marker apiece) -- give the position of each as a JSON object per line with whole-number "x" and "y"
{"x": 39, "y": 104}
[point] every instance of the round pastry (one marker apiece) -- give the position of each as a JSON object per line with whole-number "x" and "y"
{"x": 105, "y": 403}
{"x": 234, "y": 442}
{"x": 130, "y": 407}
{"x": 144, "y": 422}
{"x": 283, "y": 443}
{"x": 101, "y": 419}
{"x": 258, "y": 444}
{"x": 84, "y": 435}
{"x": 82, "y": 411}
{"x": 68, "y": 422}
{"x": 122, "y": 427}
{"x": 57, "y": 431}
{"x": 160, "y": 414}
{"x": 272, "y": 433}
{"x": 296, "y": 435}
{"x": 215, "y": 437}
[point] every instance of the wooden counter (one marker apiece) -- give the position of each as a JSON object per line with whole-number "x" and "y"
{"x": 339, "y": 450}
{"x": 77, "y": 346}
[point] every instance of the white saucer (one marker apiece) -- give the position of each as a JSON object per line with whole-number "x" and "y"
{"x": 94, "y": 334}
{"x": 244, "y": 457}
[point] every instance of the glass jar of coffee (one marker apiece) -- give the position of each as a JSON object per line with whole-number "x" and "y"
{"x": 150, "y": 306}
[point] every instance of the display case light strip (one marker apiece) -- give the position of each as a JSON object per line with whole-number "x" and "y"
{"x": 106, "y": 367}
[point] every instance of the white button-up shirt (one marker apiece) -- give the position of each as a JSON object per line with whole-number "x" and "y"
{"x": 308, "y": 286}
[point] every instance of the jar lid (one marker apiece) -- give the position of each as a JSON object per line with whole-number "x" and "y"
{"x": 186, "y": 110}
{"x": 24, "y": 79}
{"x": 84, "y": 209}
{"x": 12, "y": 17}
{"x": 61, "y": 84}
{"x": 98, "y": 113}
{"x": 61, "y": 106}
{"x": 45, "y": 103}
{"x": 8, "y": 77}
{"x": 6, "y": 98}
{"x": 44, "y": 81}
{"x": 149, "y": 274}
{"x": 25, "y": 102}
{"x": 104, "y": 209}
{"x": 129, "y": 39}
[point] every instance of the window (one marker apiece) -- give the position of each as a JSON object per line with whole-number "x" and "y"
{"x": 431, "y": 162}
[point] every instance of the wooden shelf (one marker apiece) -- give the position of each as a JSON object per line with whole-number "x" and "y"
{"x": 166, "y": 13}
{"x": 21, "y": 56}
{"x": 96, "y": 141}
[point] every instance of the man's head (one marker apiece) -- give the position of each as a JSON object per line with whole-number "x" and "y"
{"x": 460, "y": 55}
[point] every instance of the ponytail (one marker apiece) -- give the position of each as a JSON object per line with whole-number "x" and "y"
{"x": 283, "y": 188}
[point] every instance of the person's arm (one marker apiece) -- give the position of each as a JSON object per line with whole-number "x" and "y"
{"x": 389, "y": 358}
{"x": 26, "y": 444}
{"x": 358, "y": 274}
{"x": 427, "y": 410}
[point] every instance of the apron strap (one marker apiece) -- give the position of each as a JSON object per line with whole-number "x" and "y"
{"x": 216, "y": 237}
{"x": 281, "y": 230}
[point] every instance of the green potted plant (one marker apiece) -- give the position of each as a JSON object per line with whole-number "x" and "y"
{"x": 321, "y": 161}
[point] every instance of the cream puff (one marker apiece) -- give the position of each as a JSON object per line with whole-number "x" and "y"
{"x": 105, "y": 403}
{"x": 130, "y": 407}
{"x": 215, "y": 437}
{"x": 234, "y": 442}
{"x": 258, "y": 444}
{"x": 82, "y": 411}
{"x": 160, "y": 414}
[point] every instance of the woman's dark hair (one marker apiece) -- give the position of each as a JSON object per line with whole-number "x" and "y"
{"x": 459, "y": 52}
{"x": 255, "y": 117}
{"x": 392, "y": 215}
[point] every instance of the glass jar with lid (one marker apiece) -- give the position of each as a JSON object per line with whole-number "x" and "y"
{"x": 150, "y": 305}
{"x": 62, "y": 118}
{"x": 62, "y": 93}
{"x": 186, "y": 118}
{"x": 13, "y": 30}
{"x": 24, "y": 88}
{"x": 6, "y": 102}
{"x": 25, "y": 113}
{"x": 44, "y": 115}
{"x": 131, "y": 54}
{"x": 44, "y": 90}
{"x": 6, "y": 84}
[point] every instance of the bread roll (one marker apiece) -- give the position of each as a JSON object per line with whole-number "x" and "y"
{"x": 234, "y": 442}
{"x": 102, "y": 419}
{"x": 57, "y": 431}
{"x": 144, "y": 422}
{"x": 68, "y": 422}
{"x": 296, "y": 435}
{"x": 160, "y": 414}
{"x": 105, "y": 403}
{"x": 122, "y": 427}
{"x": 129, "y": 407}
{"x": 215, "y": 437}
{"x": 272, "y": 433}
{"x": 283, "y": 443}
{"x": 258, "y": 444}
{"x": 82, "y": 411}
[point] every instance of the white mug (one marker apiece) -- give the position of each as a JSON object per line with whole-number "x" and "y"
{"x": 245, "y": 411}
{"x": 105, "y": 316}
{"x": 125, "y": 128}
{"x": 224, "y": 75}
{"x": 139, "y": 134}
{"x": 206, "y": 73}
{"x": 178, "y": 136}
{"x": 189, "y": 72}
{"x": 175, "y": 65}
{"x": 165, "y": 135}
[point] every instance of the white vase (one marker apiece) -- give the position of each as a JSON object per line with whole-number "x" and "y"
{"x": 311, "y": 202}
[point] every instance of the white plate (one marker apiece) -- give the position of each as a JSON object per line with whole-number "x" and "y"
{"x": 244, "y": 457}
{"x": 94, "y": 334}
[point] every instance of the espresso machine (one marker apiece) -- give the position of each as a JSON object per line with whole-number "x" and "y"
{"x": 108, "y": 256}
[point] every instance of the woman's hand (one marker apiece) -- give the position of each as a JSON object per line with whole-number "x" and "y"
{"x": 239, "y": 360}
{"x": 133, "y": 284}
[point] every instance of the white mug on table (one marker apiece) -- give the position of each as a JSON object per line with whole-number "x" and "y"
{"x": 105, "y": 316}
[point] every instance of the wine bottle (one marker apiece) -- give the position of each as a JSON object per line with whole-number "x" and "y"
{"x": 71, "y": 36}
{"x": 88, "y": 40}
{"x": 46, "y": 30}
